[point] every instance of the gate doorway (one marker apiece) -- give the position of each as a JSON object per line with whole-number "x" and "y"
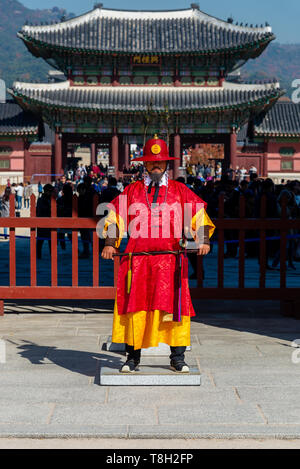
{"x": 206, "y": 151}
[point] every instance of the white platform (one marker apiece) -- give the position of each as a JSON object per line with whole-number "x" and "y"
{"x": 149, "y": 376}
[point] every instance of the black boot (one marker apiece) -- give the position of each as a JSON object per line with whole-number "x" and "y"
{"x": 177, "y": 360}
{"x": 133, "y": 360}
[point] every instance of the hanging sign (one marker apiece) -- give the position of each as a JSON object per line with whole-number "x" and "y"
{"x": 145, "y": 60}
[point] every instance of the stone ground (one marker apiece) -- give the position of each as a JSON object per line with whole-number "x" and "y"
{"x": 50, "y": 381}
{"x": 50, "y": 393}
{"x": 112, "y": 443}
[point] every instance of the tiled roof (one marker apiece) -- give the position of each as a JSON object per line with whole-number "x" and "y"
{"x": 138, "y": 99}
{"x": 283, "y": 119}
{"x": 15, "y": 121}
{"x": 147, "y": 32}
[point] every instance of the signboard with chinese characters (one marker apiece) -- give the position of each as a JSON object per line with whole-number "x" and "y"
{"x": 146, "y": 60}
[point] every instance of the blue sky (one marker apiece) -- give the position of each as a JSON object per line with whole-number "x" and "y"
{"x": 283, "y": 16}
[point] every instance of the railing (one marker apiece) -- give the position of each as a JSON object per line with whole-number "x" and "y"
{"x": 53, "y": 291}
{"x": 281, "y": 225}
{"x": 53, "y": 223}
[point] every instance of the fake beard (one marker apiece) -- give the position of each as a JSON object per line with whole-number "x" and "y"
{"x": 156, "y": 177}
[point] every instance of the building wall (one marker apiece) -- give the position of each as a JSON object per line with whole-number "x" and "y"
{"x": 280, "y": 163}
{"x": 13, "y": 176}
{"x": 24, "y": 160}
{"x": 15, "y": 157}
{"x": 271, "y": 161}
{"x": 39, "y": 161}
{"x": 251, "y": 155}
{"x": 247, "y": 160}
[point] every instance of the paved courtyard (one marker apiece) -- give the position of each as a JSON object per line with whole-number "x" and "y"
{"x": 50, "y": 381}
{"x": 50, "y": 384}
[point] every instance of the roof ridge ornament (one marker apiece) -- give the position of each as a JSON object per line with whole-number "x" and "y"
{"x": 195, "y": 6}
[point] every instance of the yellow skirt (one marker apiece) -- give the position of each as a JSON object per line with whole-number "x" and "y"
{"x": 147, "y": 329}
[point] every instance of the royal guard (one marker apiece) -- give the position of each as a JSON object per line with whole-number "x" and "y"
{"x": 153, "y": 303}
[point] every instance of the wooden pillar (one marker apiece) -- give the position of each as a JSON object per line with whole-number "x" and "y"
{"x": 115, "y": 153}
{"x": 93, "y": 153}
{"x": 177, "y": 154}
{"x": 126, "y": 155}
{"x": 233, "y": 149}
{"x": 58, "y": 155}
{"x": 227, "y": 154}
{"x": 177, "y": 81}
{"x": 123, "y": 156}
{"x": 27, "y": 162}
{"x": 264, "y": 162}
{"x": 115, "y": 80}
{"x": 64, "y": 154}
{"x": 264, "y": 165}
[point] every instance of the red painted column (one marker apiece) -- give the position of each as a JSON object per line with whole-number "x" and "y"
{"x": 177, "y": 81}
{"x": 58, "y": 155}
{"x": 177, "y": 154}
{"x": 124, "y": 156}
{"x": 264, "y": 162}
{"x": 127, "y": 155}
{"x": 233, "y": 149}
{"x": 64, "y": 154}
{"x": 27, "y": 162}
{"x": 93, "y": 153}
{"x": 115, "y": 153}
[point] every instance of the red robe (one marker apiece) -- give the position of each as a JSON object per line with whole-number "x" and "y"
{"x": 155, "y": 279}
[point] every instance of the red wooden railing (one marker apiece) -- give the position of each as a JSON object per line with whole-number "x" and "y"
{"x": 282, "y": 225}
{"x": 53, "y": 223}
{"x": 74, "y": 223}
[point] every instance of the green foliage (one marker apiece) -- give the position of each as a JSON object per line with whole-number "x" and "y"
{"x": 281, "y": 61}
{"x": 15, "y": 61}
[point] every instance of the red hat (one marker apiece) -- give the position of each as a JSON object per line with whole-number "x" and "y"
{"x": 156, "y": 150}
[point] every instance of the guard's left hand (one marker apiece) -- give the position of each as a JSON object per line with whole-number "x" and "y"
{"x": 204, "y": 249}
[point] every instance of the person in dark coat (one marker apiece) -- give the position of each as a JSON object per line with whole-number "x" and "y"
{"x": 268, "y": 191}
{"x": 64, "y": 210}
{"x": 5, "y": 208}
{"x": 43, "y": 209}
{"x": 86, "y": 193}
{"x": 111, "y": 192}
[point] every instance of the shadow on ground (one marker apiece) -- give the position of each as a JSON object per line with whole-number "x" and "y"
{"x": 84, "y": 363}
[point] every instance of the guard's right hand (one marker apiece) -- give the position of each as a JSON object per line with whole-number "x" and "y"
{"x": 108, "y": 252}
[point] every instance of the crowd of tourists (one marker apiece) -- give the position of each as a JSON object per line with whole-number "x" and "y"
{"x": 214, "y": 172}
{"x": 253, "y": 191}
{"x": 89, "y": 182}
{"x": 99, "y": 172}
{"x": 22, "y": 192}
